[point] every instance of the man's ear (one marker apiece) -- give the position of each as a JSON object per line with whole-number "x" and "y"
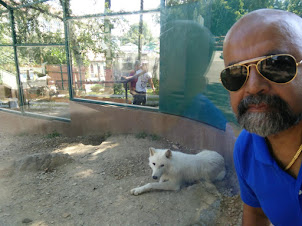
{"x": 168, "y": 154}
{"x": 152, "y": 151}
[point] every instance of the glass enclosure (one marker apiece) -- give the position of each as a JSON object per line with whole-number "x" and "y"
{"x": 9, "y": 92}
{"x": 43, "y": 80}
{"x": 56, "y": 51}
{"x": 102, "y": 57}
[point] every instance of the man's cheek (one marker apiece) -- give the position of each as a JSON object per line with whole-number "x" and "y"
{"x": 234, "y": 103}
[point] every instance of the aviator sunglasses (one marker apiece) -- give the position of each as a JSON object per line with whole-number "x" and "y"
{"x": 280, "y": 68}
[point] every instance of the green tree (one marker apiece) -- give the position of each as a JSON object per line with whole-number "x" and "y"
{"x": 132, "y": 35}
{"x": 250, "y": 5}
{"x": 219, "y": 15}
{"x": 295, "y": 6}
{"x": 37, "y": 24}
{"x": 223, "y": 14}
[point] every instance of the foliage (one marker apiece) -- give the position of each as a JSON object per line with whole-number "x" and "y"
{"x": 106, "y": 135}
{"x": 90, "y": 36}
{"x": 141, "y": 135}
{"x": 54, "y": 134}
{"x": 154, "y": 137}
{"x": 220, "y": 15}
{"x": 97, "y": 88}
{"x": 295, "y": 6}
{"x": 7, "y": 59}
{"x": 5, "y": 31}
{"x": 132, "y": 36}
{"x": 251, "y": 5}
{"x": 35, "y": 24}
{"x": 43, "y": 23}
{"x": 223, "y": 15}
{"x": 118, "y": 88}
{"x": 156, "y": 84}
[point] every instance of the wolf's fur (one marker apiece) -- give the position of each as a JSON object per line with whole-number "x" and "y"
{"x": 174, "y": 169}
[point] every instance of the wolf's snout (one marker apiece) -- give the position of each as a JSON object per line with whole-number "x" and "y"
{"x": 154, "y": 177}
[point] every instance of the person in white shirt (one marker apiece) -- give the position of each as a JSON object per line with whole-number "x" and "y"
{"x": 141, "y": 85}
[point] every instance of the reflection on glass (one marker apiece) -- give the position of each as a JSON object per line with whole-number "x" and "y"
{"x": 43, "y": 74}
{"x": 102, "y": 57}
{"x": 8, "y": 80}
{"x": 5, "y": 31}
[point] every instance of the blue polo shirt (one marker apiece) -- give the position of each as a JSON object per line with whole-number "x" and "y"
{"x": 264, "y": 184}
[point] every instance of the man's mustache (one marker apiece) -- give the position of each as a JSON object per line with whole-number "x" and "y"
{"x": 272, "y": 101}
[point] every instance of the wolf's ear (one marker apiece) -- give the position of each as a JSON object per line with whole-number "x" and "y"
{"x": 168, "y": 154}
{"x": 152, "y": 151}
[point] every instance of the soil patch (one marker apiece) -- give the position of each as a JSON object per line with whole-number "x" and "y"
{"x": 56, "y": 180}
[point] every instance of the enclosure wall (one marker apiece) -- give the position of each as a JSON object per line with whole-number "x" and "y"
{"x": 89, "y": 118}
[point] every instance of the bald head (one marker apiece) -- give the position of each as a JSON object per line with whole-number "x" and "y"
{"x": 261, "y": 29}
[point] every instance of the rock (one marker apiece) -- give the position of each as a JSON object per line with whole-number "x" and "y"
{"x": 175, "y": 147}
{"x": 208, "y": 216}
{"x": 65, "y": 215}
{"x": 40, "y": 162}
{"x": 26, "y": 220}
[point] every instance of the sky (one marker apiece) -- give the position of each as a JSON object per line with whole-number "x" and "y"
{"x": 80, "y": 7}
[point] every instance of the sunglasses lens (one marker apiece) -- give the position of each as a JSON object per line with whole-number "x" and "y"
{"x": 279, "y": 69}
{"x": 233, "y": 78}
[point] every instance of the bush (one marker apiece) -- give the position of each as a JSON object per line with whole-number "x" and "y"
{"x": 96, "y": 88}
{"x": 156, "y": 85}
{"x": 118, "y": 88}
{"x": 141, "y": 135}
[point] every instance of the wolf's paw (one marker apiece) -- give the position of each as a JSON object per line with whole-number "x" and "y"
{"x": 136, "y": 191}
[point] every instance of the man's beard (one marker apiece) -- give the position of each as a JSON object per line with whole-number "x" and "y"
{"x": 279, "y": 116}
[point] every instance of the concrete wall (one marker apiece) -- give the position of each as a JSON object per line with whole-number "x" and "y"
{"x": 99, "y": 119}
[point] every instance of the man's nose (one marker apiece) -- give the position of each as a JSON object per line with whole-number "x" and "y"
{"x": 256, "y": 83}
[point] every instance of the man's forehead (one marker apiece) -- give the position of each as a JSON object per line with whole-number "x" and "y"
{"x": 268, "y": 53}
{"x": 245, "y": 44}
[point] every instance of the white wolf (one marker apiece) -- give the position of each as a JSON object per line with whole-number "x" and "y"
{"x": 174, "y": 169}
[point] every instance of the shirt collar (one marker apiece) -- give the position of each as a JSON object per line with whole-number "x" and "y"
{"x": 261, "y": 150}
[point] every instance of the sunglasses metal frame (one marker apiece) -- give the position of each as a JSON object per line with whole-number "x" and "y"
{"x": 256, "y": 61}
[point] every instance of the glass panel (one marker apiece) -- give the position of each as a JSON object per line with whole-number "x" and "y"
{"x": 190, "y": 86}
{"x": 9, "y": 92}
{"x": 190, "y": 65}
{"x": 79, "y": 8}
{"x": 44, "y": 24}
{"x": 102, "y": 56}
{"x": 5, "y": 29}
{"x": 151, "y": 4}
{"x": 43, "y": 74}
{"x": 96, "y": 7}
{"x": 125, "y": 6}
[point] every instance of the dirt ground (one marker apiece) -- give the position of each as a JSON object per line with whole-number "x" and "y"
{"x": 57, "y": 180}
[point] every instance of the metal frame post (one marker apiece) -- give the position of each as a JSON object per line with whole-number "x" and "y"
{"x": 69, "y": 70}
{"x": 20, "y": 86}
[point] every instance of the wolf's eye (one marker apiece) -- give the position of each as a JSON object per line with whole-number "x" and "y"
{"x": 153, "y": 163}
{"x": 162, "y": 165}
